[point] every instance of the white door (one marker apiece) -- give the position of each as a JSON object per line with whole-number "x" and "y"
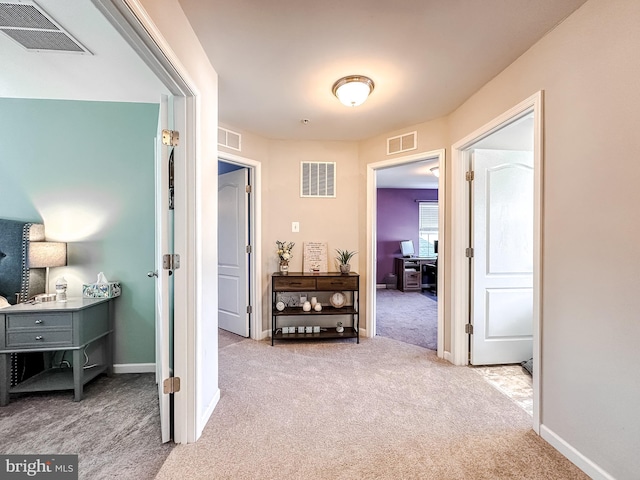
{"x": 233, "y": 238}
{"x": 502, "y": 298}
{"x": 164, "y": 290}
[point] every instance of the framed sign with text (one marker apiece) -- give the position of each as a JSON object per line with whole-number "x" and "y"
{"x": 315, "y": 257}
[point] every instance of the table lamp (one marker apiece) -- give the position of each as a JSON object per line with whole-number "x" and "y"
{"x": 46, "y": 255}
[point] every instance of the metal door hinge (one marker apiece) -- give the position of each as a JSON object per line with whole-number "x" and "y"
{"x": 170, "y": 138}
{"x": 171, "y": 385}
{"x": 249, "y": 309}
{"x": 470, "y": 176}
{"x": 171, "y": 261}
{"x": 248, "y": 249}
{"x": 468, "y": 328}
{"x": 247, "y": 189}
{"x": 469, "y": 252}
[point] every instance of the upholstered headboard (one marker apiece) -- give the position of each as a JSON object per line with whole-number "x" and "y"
{"x": 15, "y": 275}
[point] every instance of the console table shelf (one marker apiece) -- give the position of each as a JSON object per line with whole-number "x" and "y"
{"x": 312, "y": 284}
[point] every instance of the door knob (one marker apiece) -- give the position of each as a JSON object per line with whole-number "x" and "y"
{"x": 152, "y": 274}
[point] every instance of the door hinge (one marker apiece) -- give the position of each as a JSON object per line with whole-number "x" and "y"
{"x": 468, "y": 328}
{"x": 470, "y": 175}
{"x": 248, "y": 249}
{"x": 469, "y": 252}
{"x": 249, "y": 309}
{"x": 247, "y": 189}
{"x": 170, "y": 138}
{"x": 171, "y": 385}
{"x": 171, "y": 261}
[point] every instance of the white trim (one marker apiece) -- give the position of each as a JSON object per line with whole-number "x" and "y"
{"x": 578, "y": 459}
{"x": 460, "y": 235}
{"x": 130, "y": 18}
{"x": 447, "y": 354}
{"x": 255, "y": 169}
{"x": 370, "y": 323}
{"x": 134, "y": 368}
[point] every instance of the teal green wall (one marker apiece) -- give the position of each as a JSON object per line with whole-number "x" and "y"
{"x": 86, "y": 170}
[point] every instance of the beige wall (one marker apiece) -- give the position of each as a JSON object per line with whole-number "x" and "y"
{"x": 588, "y": 68}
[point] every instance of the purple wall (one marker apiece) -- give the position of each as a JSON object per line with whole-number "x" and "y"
{"x": 398, "y": 217}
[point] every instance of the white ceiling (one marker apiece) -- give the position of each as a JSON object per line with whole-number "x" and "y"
{"x": 113, "y": 73}
{"x": 278, "y": 59}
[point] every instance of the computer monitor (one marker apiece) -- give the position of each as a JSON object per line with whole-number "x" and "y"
{"x": 406, "y": 247}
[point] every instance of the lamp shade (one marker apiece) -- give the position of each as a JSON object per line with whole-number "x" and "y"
{"x": 47, "y": 254}
{"x": 353, "y": 90}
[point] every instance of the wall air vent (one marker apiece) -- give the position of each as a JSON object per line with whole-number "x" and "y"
{"x": 402, "y": 143}
{"x": 27, "y": 24}
{"x": 318, "y": 179}
{"x": 229, "y": 139}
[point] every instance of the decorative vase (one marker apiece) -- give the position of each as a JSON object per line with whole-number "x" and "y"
{"x": 284, "y": 267}
{"x": 306, "y": 306}
{"x": 345, "y": 268}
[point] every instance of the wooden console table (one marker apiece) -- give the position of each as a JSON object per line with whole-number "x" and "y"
{"x": 51, "y": 327}
{"x": 311, "y": 283}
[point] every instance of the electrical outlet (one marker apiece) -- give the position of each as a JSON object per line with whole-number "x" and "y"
{"x": 295, "y": 227}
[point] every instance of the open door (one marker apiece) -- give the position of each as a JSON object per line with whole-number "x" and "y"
{"x": 233, "y": 240}
{"x": 164, "y": 287}
{"x": 502, "y": 293}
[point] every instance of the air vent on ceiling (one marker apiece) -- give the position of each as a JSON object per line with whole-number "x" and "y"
{"x": 27, "y": 24}
{"x": 318, "y": 179}
{"x": 402, "y": 143}
{"x": 229, "y": 139}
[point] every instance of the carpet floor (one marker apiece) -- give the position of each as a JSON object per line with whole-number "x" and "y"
{"x": 379, "y": 410}
{"x": 409, "y": 317}
{"x": 114, "y": 430}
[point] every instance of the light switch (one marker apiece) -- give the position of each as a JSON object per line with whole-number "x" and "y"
{"x": 295, "y": 227}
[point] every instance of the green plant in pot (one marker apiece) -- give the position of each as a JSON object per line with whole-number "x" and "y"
{"x": 344, "y": 257}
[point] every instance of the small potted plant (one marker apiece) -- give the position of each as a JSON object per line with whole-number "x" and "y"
{"x": 344, "y": 257}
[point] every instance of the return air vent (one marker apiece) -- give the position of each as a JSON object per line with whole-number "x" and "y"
{"x": 402, "y": 143}
{"x": 229, "y": 139}
{"x": 318, "y": 179}
{"x": 27, "y": 24}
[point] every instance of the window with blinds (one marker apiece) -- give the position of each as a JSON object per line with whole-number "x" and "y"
{"x": 428, "y": 229}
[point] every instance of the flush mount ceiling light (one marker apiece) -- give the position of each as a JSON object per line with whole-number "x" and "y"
{"x": 353, "y": 90}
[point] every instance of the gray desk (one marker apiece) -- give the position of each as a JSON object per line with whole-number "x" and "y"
{"x": 51, "y": 327}
{"x": 410, "y": 270}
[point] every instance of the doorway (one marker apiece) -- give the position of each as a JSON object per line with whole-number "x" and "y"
{"x": 463, "y": 299}
{"x": 437, "y": 157}
{"x": 247, "y": 319}
{"x": 406, "y": 240}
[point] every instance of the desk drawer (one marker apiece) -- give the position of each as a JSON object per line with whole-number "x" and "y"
{"x": 39, "y": 338}
{"x": 337, "y": 283}
{"x": 293, "y": 284}
{"x": 38, "y": 320}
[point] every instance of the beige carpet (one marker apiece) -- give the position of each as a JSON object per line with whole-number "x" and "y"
{"x": 379, "y": 410}
{"x": 411, "y": 317}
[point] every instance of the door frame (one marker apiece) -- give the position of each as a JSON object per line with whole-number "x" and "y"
{"x": 131, "y": 20}
{"x": 255, "y": 239}
{"x": 460, "y": 223}
{"x": 372, "y": 221}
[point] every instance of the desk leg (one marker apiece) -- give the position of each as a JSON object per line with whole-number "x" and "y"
{"x": 109, "y": 339}
{"x": 78, "y": 365}
{"x": 5, "y": 378}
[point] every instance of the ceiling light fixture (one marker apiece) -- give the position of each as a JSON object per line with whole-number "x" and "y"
{"x": 435, "y": 171}
{"x": 353, "y": 90}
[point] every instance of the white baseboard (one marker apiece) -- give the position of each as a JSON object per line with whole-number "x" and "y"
{"x": 134, "y": 368}
{"x": 265, "y": 334}
{"x": 447, "y": 356}
{"x": 578, "y": 459}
